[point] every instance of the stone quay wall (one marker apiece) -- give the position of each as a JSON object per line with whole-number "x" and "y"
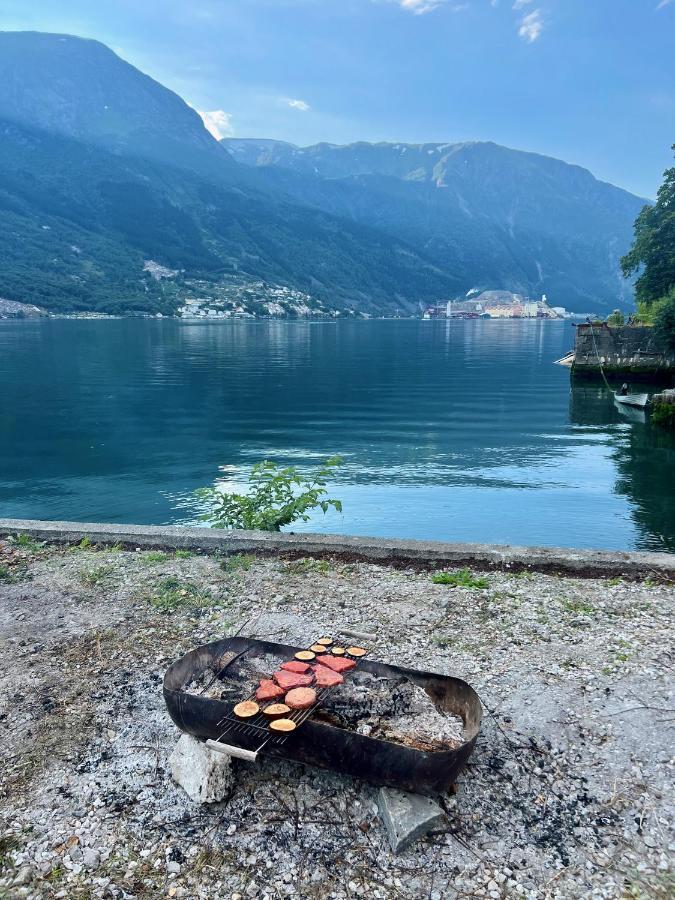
{"x": 388, "y": 551}
{"x": 628, "y": 350}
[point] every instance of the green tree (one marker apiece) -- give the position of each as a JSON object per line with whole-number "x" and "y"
{"x": 664, "y": 320}
{"x": 276, "y": 497}
{"x": 653, "y": 250}
{"x": 616, "y": 318}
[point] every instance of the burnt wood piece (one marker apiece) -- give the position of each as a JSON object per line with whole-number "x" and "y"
{"x": 322, "y": 744}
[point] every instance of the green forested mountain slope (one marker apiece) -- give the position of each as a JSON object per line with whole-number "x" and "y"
{"x": 77, "y": 221}
{"x": 81, "y": 89}
{"x": 495, "y": 217}
{"x": 102, "y": 168}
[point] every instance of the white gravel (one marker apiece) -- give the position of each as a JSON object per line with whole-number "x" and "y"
{"x": 568, "y": 793}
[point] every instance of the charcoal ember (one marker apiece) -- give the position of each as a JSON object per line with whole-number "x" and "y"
{"x": 365, "y": 697}
{"x": 395, "y": 710}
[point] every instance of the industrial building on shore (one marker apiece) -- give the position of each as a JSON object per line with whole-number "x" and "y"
{"x": 495, "y": 305}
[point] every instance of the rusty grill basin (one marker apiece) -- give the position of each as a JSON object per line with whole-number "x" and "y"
{"x": 319, "y": 743}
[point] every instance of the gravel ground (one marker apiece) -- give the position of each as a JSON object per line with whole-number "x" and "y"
{"x": 568, "y": 793}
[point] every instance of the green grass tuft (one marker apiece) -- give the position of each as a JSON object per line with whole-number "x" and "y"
{"x": 8, "y": 843}
{"x": 578, "y": 606}
{"x": 238, "y": 562}
{"x": 85, "y": 544}
{"x": 172, "y": 594}
{"x": 155, "y": 556}
{"x": 25, "y": 541}
{"x": 92, "y": 577}
{"x": 462, "y": 578}
{"x": 307, "y": 566}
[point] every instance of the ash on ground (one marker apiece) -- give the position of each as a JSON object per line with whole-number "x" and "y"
{"x": 567, "y": 795}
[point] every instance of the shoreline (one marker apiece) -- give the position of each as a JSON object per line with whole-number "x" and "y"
{"x": 382, "y": 551}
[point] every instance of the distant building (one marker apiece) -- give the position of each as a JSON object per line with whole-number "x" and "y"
{"x": 495, "y": 305}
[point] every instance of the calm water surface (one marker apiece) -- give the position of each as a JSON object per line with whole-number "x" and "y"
{"x": 449, "y": 430}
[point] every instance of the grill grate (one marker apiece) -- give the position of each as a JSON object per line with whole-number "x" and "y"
{"x": 258, "y": 725}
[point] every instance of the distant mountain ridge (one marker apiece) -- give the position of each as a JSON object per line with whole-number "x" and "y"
{"x": 79, "y": 88}
{"x": 493, "y": 216}
{"x": 102, "y": 169}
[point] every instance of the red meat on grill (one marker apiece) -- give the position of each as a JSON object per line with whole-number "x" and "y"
{"x": 325, "y": 677}
{"x": 289, "y": 680}
{"x": 300, "y": 698}
{"x": 337, "y": 663}
{"x": 268, "y": 690}
{"x": 294, "y": 665}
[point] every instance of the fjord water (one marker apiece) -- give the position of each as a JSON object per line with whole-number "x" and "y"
{"x": 460, "y": 430}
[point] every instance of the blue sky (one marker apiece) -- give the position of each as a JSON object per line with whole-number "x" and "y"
{"x": 589, "y": 81}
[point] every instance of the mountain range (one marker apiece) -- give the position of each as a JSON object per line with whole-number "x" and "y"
{"x": 103, "y": 169}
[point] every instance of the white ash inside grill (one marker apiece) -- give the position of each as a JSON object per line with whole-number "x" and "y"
{"x": 234, "y": 676}
{"x": 391, "y": 709}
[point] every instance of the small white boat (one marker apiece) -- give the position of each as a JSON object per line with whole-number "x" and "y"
{"x": 639, "y": 400}
{"x": 565, "y": 360}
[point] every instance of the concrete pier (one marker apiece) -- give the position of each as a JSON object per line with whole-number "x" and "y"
{"x": 392, "y": 551}
{"x": 628, "y": 351}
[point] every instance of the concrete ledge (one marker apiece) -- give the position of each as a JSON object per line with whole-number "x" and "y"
{"x": 421, "y": 554}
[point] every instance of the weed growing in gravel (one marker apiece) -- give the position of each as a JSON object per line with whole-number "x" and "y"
{"x": 183, "y": 554}
{"x": 171, "y": 594}
{"x": 237, "y": 562}
{"x": 85, "y": 544}
{"x": 524, "y": 575}
{"x": 650, "y": 582}
{"x": 155, "y": 556}
{"x": 614, "y": 582}
{"x": 115, "y": 548}
{"x": 443, "y": 640}
{"x": 92, "y": 577}
{"x": 307, "y": 566}
{"x": 462, "y": 578}
{"x": 5, "y": 574}
{"x": 25, "y": 541}
{"x": 578, "y": 606}
{"x": 569, "y": 663}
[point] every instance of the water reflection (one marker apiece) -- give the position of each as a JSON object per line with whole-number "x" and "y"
{"x": 449, "y": 430}
{"x": 644, "y": 456}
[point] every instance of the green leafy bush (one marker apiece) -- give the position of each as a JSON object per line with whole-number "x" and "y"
{"x": 663, "y": 414}
{"x": 276, "y": 497}
{"x": 616, "y": 318}
{"x": 664, "y": 320}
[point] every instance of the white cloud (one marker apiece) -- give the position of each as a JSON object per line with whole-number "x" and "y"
{"x": 217, "y": 122}
{"x": 298, "y": 104}
{"x": 531, "y": 26}
{"x": 519, "y": 4}
{"x": 420, "y": 7}
{"x": 664, "y": 3}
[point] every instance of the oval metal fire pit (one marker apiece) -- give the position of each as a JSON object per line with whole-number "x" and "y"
{"x": 320, "y": 743}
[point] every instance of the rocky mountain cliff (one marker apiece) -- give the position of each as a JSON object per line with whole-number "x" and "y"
{"x": 492, "y": 216}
